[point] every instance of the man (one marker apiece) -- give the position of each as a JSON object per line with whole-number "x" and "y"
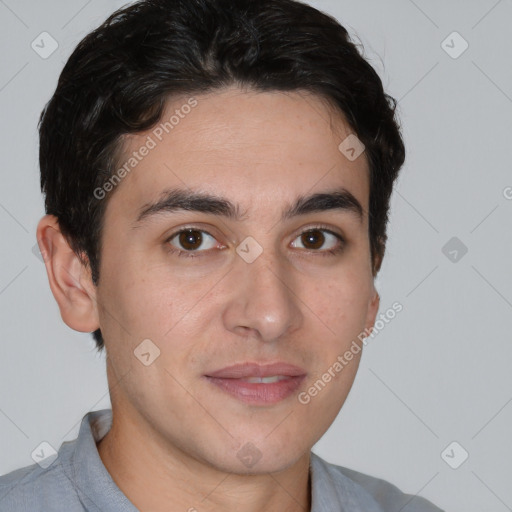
{"x": 217, "y": 177}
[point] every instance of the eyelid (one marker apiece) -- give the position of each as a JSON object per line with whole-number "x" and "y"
{"x": 322, "y": 227}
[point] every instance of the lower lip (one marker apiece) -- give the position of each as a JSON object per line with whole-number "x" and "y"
{"x": 258, "y": 393}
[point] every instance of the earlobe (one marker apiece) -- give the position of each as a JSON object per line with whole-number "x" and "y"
{"x": 373, "y": 309}
{"x": 69, "y": 279}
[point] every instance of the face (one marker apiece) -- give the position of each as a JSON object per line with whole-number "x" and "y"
{"x": 255, "y": 288}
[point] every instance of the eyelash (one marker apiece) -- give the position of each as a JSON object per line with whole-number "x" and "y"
{"x": 197, "y": 254}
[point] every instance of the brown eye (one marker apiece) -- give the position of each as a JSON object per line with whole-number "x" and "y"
{"x": 315, "y": 239}
{"x": 191, "y": 240}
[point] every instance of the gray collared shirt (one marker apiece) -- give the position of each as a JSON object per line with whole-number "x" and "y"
{"x": 77, "y": 481}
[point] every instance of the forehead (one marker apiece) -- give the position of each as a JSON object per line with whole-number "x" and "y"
{"x": 257, "y": 148}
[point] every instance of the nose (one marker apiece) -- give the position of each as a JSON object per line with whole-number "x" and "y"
{"x": 264, "y": 303}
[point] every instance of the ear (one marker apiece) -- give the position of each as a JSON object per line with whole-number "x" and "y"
{"x": 373, "y": 309}
{"x": 70, "y": 280}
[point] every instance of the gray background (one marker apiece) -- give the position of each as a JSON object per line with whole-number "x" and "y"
{"x": 439, "y": 372}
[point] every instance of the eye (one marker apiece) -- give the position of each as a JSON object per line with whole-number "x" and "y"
{"x": 314, "y": 239}
{"x": 191, "y": 240}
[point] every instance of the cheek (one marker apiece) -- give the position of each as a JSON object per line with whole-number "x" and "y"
{"x": 126, "y": 304}
{"x": 341, "y": 304}
{"x": 138, "y": 296}
{"x": 157, "y": 305}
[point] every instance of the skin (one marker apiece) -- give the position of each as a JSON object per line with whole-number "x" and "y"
{"x": 175, "y": 437}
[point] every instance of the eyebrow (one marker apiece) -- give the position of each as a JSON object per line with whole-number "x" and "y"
{"x": 189, "y": 200}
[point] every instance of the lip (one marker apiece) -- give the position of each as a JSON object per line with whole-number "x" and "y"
{"x": 230, "y": 380}
{"x": 250, "y": 369}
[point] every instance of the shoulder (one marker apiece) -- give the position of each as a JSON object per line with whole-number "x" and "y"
{"x": 386, "y": 495}
{"x": 37, "y": 489}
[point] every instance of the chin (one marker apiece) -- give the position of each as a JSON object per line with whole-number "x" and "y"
{"x": 252, "y": 459}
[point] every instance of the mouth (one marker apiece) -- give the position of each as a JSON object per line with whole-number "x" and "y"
{"x": 258, "y": 384}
